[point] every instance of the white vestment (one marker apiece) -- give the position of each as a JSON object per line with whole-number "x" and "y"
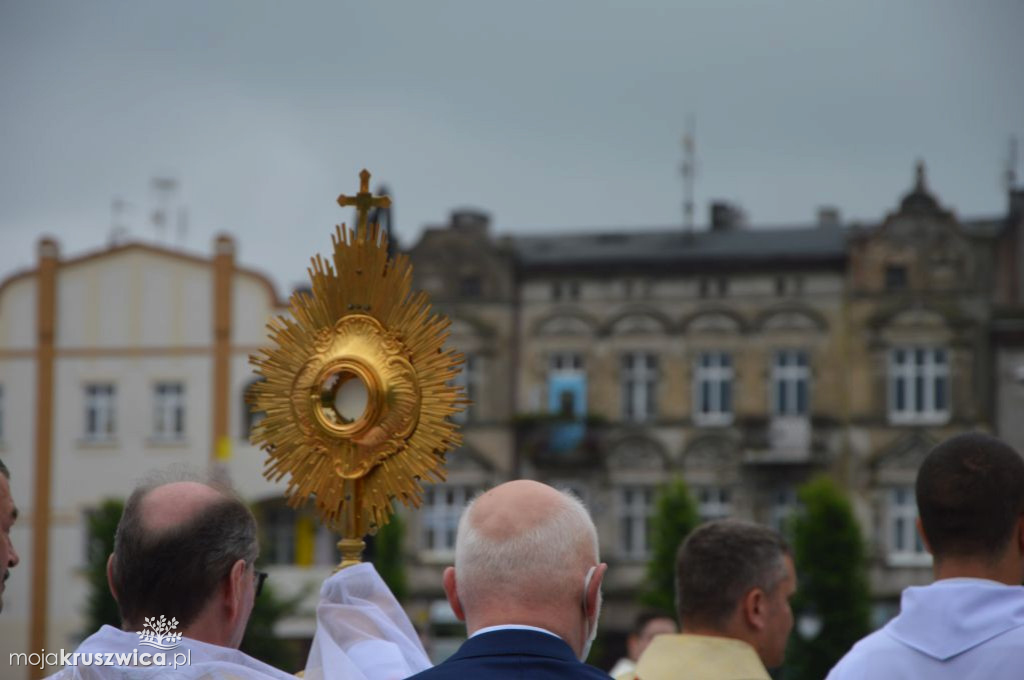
{"x": 362, "y": 633}
{"x": 954, "y": 629}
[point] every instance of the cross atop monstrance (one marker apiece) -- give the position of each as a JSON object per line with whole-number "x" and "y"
{"x": 363, "y": 201}
{"x": 358, "y": 388}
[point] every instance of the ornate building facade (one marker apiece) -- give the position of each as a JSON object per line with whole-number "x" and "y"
{"x": 746, "y": 360}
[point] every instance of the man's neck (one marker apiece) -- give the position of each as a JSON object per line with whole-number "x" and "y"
{"x": 1004, "y": 571}
{"x": 549, "y": 621}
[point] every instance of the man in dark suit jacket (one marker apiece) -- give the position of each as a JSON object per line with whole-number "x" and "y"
{"x": 527, "y": 582}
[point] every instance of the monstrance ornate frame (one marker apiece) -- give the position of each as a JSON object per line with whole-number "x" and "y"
{"x": 357, "y": 386}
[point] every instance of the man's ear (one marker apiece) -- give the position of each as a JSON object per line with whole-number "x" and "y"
{"x": 452, "y": 594}
{"x": 110, "y": 576}
{"x": 924, "y": 538}
{"x": 593, "y": 589}
{"x": 754, "y": 605}
{"x": 234, "y": 590}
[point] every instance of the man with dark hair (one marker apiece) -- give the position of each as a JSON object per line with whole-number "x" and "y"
{"x": 8, "y": 514}
{"x": 647, "y": 625}
{"x": 969, "y": 623}
{"x": 184, "y": 563}
{"x": 733, "y": 584}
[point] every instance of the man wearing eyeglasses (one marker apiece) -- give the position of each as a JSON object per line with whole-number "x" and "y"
{"x": 184, "y": 553}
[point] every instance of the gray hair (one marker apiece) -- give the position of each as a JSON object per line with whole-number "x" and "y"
{"x": 174, "y": 572}
{"x": 540, "y": 565}
{"x": 719, "y": 563}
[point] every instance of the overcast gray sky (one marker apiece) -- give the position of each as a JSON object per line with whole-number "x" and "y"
{"x": 548, "y": 115}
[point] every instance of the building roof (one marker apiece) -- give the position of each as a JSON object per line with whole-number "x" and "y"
{"x": 674, "y": 246}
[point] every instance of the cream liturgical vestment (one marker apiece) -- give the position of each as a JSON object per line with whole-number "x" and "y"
{"x": 697, "y": 657}
{"x": 362, "y": 633}
{"x": 954, "y": 629}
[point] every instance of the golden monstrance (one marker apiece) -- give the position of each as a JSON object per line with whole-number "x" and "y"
{"x": 357, "y": 386}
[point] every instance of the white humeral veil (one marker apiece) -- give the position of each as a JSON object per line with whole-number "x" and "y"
{"x": 362, "y": 633}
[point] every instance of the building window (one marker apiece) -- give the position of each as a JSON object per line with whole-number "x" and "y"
{"x": 903, "y": 541}
{"x": 565, "y": 290}
{"x": 99, "y": 411}
{"x": 278, "y": 524}
{"x": 639, "y": 386}
{"x": 784, "y": 505}
{"x": 790, "y": 380}
{"x": 918, "y": 385}
{"x": 471, "y": 286}
{"x": 713, "y": 502}
{"x": 713, "y": 389}
{"x": 895, "y": 277}
{"x": 169, "y": 411}
{"x": 439, "y": 518}
{"x": 250, "y": 418}
{"x": 636, "y": 505}
{"x": 567, "y": 385}
{"x": 470, "y": 378}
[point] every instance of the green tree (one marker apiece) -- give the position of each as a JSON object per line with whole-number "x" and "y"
{"x": 675, "y": 516}
{"x": 832, "y": 580}
{"x": 101, "y": 525}
{"x": 387, "y": 556}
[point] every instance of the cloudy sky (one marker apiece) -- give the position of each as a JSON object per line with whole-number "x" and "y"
{"x": 548, "y": 115}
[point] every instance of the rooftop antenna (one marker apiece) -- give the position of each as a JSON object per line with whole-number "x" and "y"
{"x": 689, "y": 170}
{"x": 1010, "y": 175}
{"x": 118, "y": 229}
{"x": 163, "y": 189}
{"x": 182, "y": 225}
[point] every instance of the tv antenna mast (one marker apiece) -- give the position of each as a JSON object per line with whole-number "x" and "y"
{"x": 1010, "y": 175}
{"x": 689, "y": 170}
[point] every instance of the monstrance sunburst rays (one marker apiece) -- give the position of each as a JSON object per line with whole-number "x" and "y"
{"x": 362, "y": 332}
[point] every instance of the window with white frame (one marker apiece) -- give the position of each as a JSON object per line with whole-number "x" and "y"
{"x": 712, "y": 386}
{"x": 791, "y": 377}
{"x": 784, "y": 505}
{"x": 439, "y": 517}
{"x": 565, "y": 362}
{"x": 639, "y": 386}
{"x": 169, "y": 411}
{"x": 99, "y": 411}
{"x": 713, "y": 502}
{"x": 470, "y": 379}
{"x": 903, "y": 542}
{"x": 278, "y": 524}
{"x": 636, "y": 505}
{"x": 918, "y": 385}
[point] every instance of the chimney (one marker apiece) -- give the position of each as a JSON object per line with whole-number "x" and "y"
{"x": 725, "y": 216}
{"x": 828, "y": 216}
{"x": 469, "y": 221}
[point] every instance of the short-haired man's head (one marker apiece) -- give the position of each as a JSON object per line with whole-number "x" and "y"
{"x": 541, "y": 562}
{"x": 970, "y": 496}
{"x": 719, "y": 563}
{"x": 175, "y": 570}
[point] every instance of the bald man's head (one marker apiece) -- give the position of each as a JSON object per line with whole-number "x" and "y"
{"x": 175, "y": 543}
{"x": 523, "y": 540}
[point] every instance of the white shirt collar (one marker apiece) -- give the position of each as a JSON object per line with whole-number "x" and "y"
{"x": 512, "y": 626}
